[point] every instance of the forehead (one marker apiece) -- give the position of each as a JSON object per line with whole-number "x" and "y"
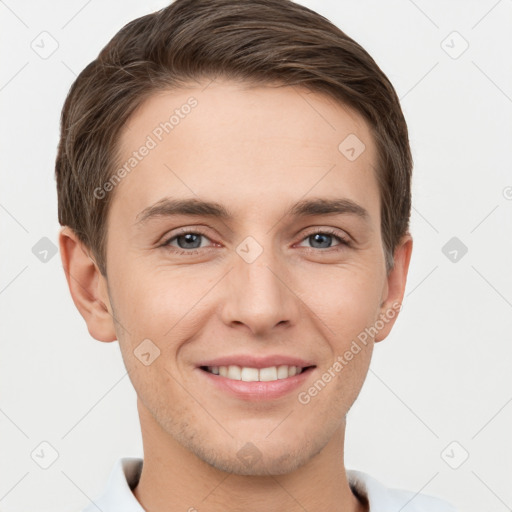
{"x": 246, "y": 146}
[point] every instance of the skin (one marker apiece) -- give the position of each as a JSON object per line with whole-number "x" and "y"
{"x": 255, "y": 150}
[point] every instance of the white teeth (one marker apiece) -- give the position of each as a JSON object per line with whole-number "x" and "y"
{"x": 282, "y": 372}
{"x": 234, "y": 372}
{"x": 267, "y": 374}
{"x": 248, "y": 374}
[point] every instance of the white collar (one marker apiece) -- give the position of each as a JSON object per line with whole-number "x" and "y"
{"x": 117, "y": 495}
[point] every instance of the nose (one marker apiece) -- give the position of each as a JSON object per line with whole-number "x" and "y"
{"x": 259, "y": 295}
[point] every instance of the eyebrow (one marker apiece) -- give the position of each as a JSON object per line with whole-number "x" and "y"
{"x": 167, "y": 207}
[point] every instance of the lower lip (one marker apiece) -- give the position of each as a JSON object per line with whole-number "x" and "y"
{"x": 258, "y": 390}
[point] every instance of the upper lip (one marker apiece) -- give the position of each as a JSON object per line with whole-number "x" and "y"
{"x": 257, "y": 362}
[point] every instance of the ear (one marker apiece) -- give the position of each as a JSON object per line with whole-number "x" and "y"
{"x": 393, "y": 295}
{"x": 87, "y": 285}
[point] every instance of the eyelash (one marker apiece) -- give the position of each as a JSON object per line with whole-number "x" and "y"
{"x": 343, "y": 242}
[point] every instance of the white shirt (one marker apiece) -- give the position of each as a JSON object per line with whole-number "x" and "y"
{"x": 117, "y": 495}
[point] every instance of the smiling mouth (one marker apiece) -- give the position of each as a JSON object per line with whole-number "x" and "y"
{"x": 248, "y": 374}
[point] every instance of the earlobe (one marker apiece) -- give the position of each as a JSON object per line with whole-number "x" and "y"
{"x": 395, "y": 286}
{"x": 87, "y": 286}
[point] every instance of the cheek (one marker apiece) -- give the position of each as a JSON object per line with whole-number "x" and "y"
{"x": 152, "y": 315}
{"x": 150, "y": 303}
{"x": 345, "y": 298}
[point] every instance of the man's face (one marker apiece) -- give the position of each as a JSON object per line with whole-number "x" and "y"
{"x": 257, "y": 282}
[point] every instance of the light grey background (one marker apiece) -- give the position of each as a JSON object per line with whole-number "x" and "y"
{"x": 444, "y": 374}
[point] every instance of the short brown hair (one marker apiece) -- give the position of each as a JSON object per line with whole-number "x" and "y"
{"x": 253, "y": 41}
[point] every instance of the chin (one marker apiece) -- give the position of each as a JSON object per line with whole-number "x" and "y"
{"x": 266, "y": 465}
{"x": 261, "y": 458}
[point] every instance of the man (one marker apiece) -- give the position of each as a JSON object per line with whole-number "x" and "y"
{"x": 234, "y": 185}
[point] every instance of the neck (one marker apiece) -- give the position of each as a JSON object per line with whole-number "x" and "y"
{"x": 175, "y": 479}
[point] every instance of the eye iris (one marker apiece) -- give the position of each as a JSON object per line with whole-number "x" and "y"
{"x": 190, "y": 238}
{"x": 321, "y": 238}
